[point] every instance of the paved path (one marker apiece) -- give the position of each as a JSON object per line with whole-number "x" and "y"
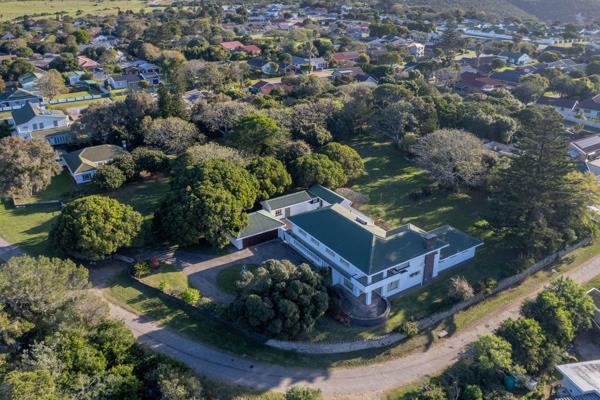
{"x": 8, "y": 250}
{"x": 368, "y": 382}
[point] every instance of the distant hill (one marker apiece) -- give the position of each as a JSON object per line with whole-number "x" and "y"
{"x": 547, "y": 10}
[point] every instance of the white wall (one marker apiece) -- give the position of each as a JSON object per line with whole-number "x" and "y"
{"x": 295, "y": 209}
{"x": 454, "y": 260}
{"x": 46, "y": 120}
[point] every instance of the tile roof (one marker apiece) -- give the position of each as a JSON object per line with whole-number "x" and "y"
{"x": 259, "y": 222}
{"x": 288, "y": 200}
{"x": 232, "y": 45}
{"x": 367, "y": 247}
{"x": 87, "y": 159}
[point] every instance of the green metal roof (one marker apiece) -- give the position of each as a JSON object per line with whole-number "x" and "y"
{"x": 369, "y": 248}
{"x": 259, "y": 222}
{"x": 288, "y": 200}
{"x": 458, "y": 240}
{"x": 15, "y": 94}
{"x": 87, "y": 159}
{"x": 326, "y": 194}
{"x": 29, "y": 77}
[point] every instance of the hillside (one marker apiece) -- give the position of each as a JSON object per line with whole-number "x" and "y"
{"x": 547, "y": 10}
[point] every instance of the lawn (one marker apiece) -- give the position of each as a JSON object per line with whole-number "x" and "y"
{"x": 17, "y": 8}
{"x": 77, "y": 104}
{"x": 171, "y": 276}
{"x": 29, "y": 227}
{"x": 227, "y": 277}
{"x": 72, "y": 95}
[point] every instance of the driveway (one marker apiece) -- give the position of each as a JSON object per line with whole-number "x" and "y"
{"x": 203, "y": 274}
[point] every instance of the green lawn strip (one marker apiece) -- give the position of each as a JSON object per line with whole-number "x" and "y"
{"x": 27, "y": 227}
{"x": 72, "y": 95}
{"x": 16, "y": 8}
{"x": 77, "y": 104}
{"x": 227, "y": 277}
{"x": 172, "y": 277}
{"x": 594, "y": 283}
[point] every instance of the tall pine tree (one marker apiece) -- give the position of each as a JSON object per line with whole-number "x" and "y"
{"x": 540, "y": 203}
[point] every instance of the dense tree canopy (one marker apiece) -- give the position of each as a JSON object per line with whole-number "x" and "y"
{"x": 271, "y": 175}
{"x": 26, "y": 166}
{"x": 256, "y": 134}
{"x": 347, "y": 157}
{"x": 312, "y": 169}
{"x": 94, "y": 227}
{"x": 281, "y": 299}
{"x": 172, "y": 134}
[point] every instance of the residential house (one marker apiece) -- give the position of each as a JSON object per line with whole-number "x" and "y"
{"x": 13, "y": 98}
{"x": 129, "y": 81}
{"x": 585, "y": 149}
{"x": 232, "y": 46}
{"x": 363, "y": 258}
{"x": 317, "y": 63}
{"x": 474, "y": 82}
{"x": 42, "y": 61}
{"x": 416, "y": 49}
{"x": 55, "y": 136}
{"x": 141, "y": 67}
{"x": 261, "y": 227}
{"x": 345, "y": 56}
{"x": 29, "y": 80}
{"x": 32, "y": 117}
{"x": 266, "y": 87}
{"x": 580, "y": 380}
{"x": 511, "y": 78}
{"x": 566, "y": 107}
{"x": 82, "y": 164}
{"x": 74, "y": 77}
{"x": 590, "y": 108}
{"x": 263, "y": 65}
{"x": 251, "y": 49}
{"x": 194, "y": 96}
{"x": 87, "y": 63}
{"x": 515, "y": 58}
{"x": 353, "y": 72}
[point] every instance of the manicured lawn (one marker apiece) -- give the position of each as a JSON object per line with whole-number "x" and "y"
{"x": 77, "y": 104}
{"x": 29, "y": 227}
{"x": 227, "y": 277}
{"x": 594, "y": 283}
{"x": 172, "y": 277}
{"x": 71, "y": 95}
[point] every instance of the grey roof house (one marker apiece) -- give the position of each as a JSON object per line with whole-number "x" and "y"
{"x": 82, "y": 164}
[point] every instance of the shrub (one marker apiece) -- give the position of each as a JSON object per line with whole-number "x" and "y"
{"x": 140, "y": 269}
{"x": 126, "y": 164}
{"x": 486, "y": 285}
{"x": 190, "y": 296}
{"x": 150, "y": 160}
{"x": 409, "y": 328}
{"x": 460, "y": 289}
{"x": 109, "y": 177}
{"x": 472, "y": 392}
{"x": 302, "y": 393}
{"x": 162, "y": 285}
{"x": 407, "y": 141}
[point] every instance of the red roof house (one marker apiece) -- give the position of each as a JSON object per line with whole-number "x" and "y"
{"x": 86, "y": 63}
{"x": 251, "y": 49}
{"x": 231, "y": 46}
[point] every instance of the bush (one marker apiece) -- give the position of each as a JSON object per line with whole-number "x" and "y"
{"x": 127, "y": 166}
{"x": 109, "y": 177}
{"x": 162, "y": 285}
{"x": 409, "y": 328}
{"x": 302, "y": 393}
{"x": 473, "y": 392}
{"x": 460, "y": 289}
{"x": 190, "y": 296}
{"x": 486, "y": 285}
{"x": 407, "y": 141}
{"x": 140, "y": 269}
{"x": 150, "y": 160}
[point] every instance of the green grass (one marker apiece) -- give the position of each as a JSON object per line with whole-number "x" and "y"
{"x": 227, "y": 277}
{"x": 77, "y": 104}
{"x": 29, "y": 227}
{"x": 17, "y": 8}
{"x": 172, "y": 277}
{"x": 71, "y": 95}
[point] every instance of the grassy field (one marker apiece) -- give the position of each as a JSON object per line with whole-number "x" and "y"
{"x": 171, "y": 276}
{"x": 17, "y": 8}
{"x": 29, "y": 227}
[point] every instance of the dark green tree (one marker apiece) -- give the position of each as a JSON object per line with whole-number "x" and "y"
{"x": 347, "y": 157}
{"x": 271, "y": 175}
{"x": 94, "y": 227}
{"x": 109, "y": 177}
{"x": 527, "y": 340}
{"x": 256, "y": 134}
{"x": 312, "y": 169}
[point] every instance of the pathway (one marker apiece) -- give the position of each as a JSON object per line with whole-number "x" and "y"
{"x": 8, "y": 250}
{"x": 368, "y": 381}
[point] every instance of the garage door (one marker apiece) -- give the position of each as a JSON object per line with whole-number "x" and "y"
{"x": 261, "y": 237}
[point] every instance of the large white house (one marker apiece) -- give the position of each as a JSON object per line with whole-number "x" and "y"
{"x": 362, "y": 257}
{"x": 32, "y": 117}
{"x": 580, "y": 380}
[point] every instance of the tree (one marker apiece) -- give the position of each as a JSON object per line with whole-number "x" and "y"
{"x": 51, "y": 84}
{"x": 347, "y": 157}
{"x": 256, "y": 134}
{"x": 170, "y": 103}
{"x": 451, "y": 42}
{"x": 38, "y": 286}
{"x": 551, "y": 208}
{"x": 281, "y": 299}
{"x": 126, "y": 164}
{"x": 302, "y": 393}
{"x": 454, "y": 158}
{"x": 488, "y": 356}
{"x": 197, "y": 154}
{"x": 593, "y": 68}
{"x": 219, "y": 119}
{"x": 312, "y": 169}
{"x": 397, "y": 119}
{"x": 176, "y": 383}
{"x": 527, "y": 340}
{"x": 94, "y": 227}
{"x": 109, "y": 177}
{"x": 29, "y": 385}
{"x": 272, "y": 176}
{"x": 149, "y": 160}
{"x": 549, "y": 311}
{"x": 26, "y": 166}
{"x": 173, "y": 134}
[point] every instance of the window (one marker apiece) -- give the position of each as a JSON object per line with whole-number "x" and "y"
{"x": 348, "y": 284}
{"x": 86, "y": 177}
{"x": 393, "y": 285}
{"x": 414, "y": 274}
{"x": 41, "y": 125}
{"x": 34, "y": 127}
{"x": 55, "y": 123}
{"x": 278, "y": 213}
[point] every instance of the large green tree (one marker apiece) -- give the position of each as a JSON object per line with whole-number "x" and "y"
{"x": 311, "y": 169}
{"x": 539, "y": 203}
{"x": 347, "y": 157}
{"x": 94, "y": 227}
{"x": 26, "y": 166}
{"x": 271, "y": 175}
{"x": 256, "y": 134}
{"x": 527, "y": 340}
{"x": 281, "y": 299}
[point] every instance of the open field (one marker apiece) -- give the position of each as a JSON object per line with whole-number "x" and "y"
{"x": 17, "y": 8}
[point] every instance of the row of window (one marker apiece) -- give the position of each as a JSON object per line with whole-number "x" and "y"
{"x": 41, "y": 125}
